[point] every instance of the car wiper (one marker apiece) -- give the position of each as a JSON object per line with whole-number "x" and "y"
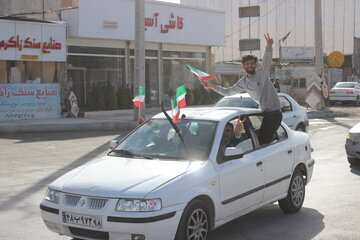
{"x": 130, "y": 154}
{"x": 175, "y": 128}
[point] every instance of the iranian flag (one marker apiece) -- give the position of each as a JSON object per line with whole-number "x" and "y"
{"x": 140, "y": 98}
{"x": 199, "y": 74}
{"x": 178, "y": 102}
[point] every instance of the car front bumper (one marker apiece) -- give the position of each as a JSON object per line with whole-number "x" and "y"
{"x": 352, "y": 149}
{"x": 309, "y": 169}
{"x": 116, "y": 225}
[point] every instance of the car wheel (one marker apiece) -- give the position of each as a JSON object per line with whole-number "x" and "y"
{"x": 300, "y": 128}
{"x": 296, "y": 194}
{"x": 332, "y": 103}
{"x": 195, "y": 222}
{"x": 354, "y": 161}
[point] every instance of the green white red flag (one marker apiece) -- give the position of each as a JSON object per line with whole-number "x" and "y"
{"x": 140, "y": 98}
{"x": 178, "y": 102}
{"x": 199, "y": 74}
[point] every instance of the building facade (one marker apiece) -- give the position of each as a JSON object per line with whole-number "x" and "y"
{"x": 291, "y": 24}
{"x": 100, "y": 48}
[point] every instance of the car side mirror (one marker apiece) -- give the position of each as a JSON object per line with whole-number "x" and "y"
{"x": 113, "y": 143}
{"x": 233, "y": 153}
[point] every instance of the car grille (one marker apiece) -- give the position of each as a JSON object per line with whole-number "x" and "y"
{"x": 97, "y": 203}
{"x": 91, "y": 202}
{"x": 71, "y": 200}
{"x": 89, "y": 233}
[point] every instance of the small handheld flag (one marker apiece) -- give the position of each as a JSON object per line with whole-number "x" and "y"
{"x": 178, "y": 102}
{"x": 199, "y": 74}
{"x": 140, "y": 98}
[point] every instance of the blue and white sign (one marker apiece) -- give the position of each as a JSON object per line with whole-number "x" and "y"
{"x": 29, "y": 101}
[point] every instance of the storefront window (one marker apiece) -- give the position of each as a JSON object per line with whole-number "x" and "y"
{"x": 176, "y": 74}
{"x": 97, "y": 78}
{"x": 151, "y": 77}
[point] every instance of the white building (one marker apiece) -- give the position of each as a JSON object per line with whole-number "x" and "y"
{"x": 340, "y": 24}
{"x": 291, "y": 24}
{"x": 100, "y": 47}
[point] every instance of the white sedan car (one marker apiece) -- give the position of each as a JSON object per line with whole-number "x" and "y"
{"x": 345, "y": 92}
{"x": 352, "y": 145}
{"x": 294, "y": 115}
{"x": 164, "y": 181}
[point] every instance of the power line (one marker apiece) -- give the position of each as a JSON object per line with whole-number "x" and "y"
{"x": 229, "y": 35}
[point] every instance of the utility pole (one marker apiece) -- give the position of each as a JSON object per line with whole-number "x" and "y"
{"x": 319, "y": 62}
{"x": 139, "y": 61}
{"x": 318, "y": 39}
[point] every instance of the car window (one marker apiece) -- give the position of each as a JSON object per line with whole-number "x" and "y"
{"x": 245, "y": 142}
{"x": 285, "y": 104}
{"x": 256, "y": 121}
{"x": 237, "y": 102}
{"x": 157, "y": 139}
{"x": 281, "y": 133}
{"x": 344, "y": 85}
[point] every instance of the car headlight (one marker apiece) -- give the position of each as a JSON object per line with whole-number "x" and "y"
{"x": 52, "y": 195}
{"x": 355, "y": 137}
{"x": 138, "y": 205}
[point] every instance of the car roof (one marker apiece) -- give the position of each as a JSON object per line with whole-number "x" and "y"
{"x": 246, "y": 95}
{"x": 211, "y": 113}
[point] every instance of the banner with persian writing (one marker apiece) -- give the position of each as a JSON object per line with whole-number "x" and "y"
{"x": 29, "y": 101}
{"x": 28, "y": 41}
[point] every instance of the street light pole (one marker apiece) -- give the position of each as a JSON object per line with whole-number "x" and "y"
{"x": 139, "y": 58}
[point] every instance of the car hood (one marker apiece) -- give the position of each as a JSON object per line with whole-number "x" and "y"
{"x": 356, "y": 128}
{"x": 119, "y": 177}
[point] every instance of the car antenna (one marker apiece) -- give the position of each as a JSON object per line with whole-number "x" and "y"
{"x": 175, "y": 128}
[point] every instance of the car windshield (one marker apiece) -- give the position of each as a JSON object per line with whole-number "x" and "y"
{"x": 237, "y": 102}
{"x": 344, "y": 85}
{"x": 158, "y": 139}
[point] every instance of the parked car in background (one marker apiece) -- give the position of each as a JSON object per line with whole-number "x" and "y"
{"x": 294, "y": 115}
{"x": 166, "y": 181}
{"x": 345, "y": 92}
{"x": 352, "y": 145}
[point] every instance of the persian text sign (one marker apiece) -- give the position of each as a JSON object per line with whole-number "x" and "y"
{"x": 32, "y": 41}
{"x": 29, "y": 101}
{"x": 297, "y": 54}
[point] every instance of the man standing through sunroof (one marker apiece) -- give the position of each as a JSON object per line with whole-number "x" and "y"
{"x": 258, "y": 85}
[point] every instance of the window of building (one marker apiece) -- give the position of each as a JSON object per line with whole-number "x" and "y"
{"x": 96, "y": 75}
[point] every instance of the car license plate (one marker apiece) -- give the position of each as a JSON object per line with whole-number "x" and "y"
{"x": 84, "y": 220}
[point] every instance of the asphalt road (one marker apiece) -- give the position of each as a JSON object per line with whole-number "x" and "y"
{"x": 28, "y": 162}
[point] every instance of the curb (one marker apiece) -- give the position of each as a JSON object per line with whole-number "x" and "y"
{"x": 312, "y": 115}
{"x": 68, "y": 127}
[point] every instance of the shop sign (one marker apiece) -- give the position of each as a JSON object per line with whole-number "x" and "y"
{"x": 297, "y": 54}
{"x": 32, "y": 41}
{"x": 165, "y": 23}
{"x": 29, "y": 101}
{"x": 174, "y": 23}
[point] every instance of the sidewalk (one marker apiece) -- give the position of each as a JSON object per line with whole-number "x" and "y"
{"x": 68, "y": 124}
{"x": 92, "y": 121}
{"x": 115, "y": 120}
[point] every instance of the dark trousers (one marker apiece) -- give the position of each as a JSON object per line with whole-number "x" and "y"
{"x": 269, "y": 125}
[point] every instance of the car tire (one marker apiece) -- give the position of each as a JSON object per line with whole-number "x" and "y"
{"x": 354, "y": 161}
{"x": 296, "y": 194}
{"x": 332, "y": 103}
{"x": 194, "y": 222}
{"x": 300, "y": 127}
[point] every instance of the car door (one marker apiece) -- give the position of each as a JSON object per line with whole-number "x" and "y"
{"x": 241, "y": 180}
{"x": 289, "y": 115}
{"x": 277, "y": 160}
